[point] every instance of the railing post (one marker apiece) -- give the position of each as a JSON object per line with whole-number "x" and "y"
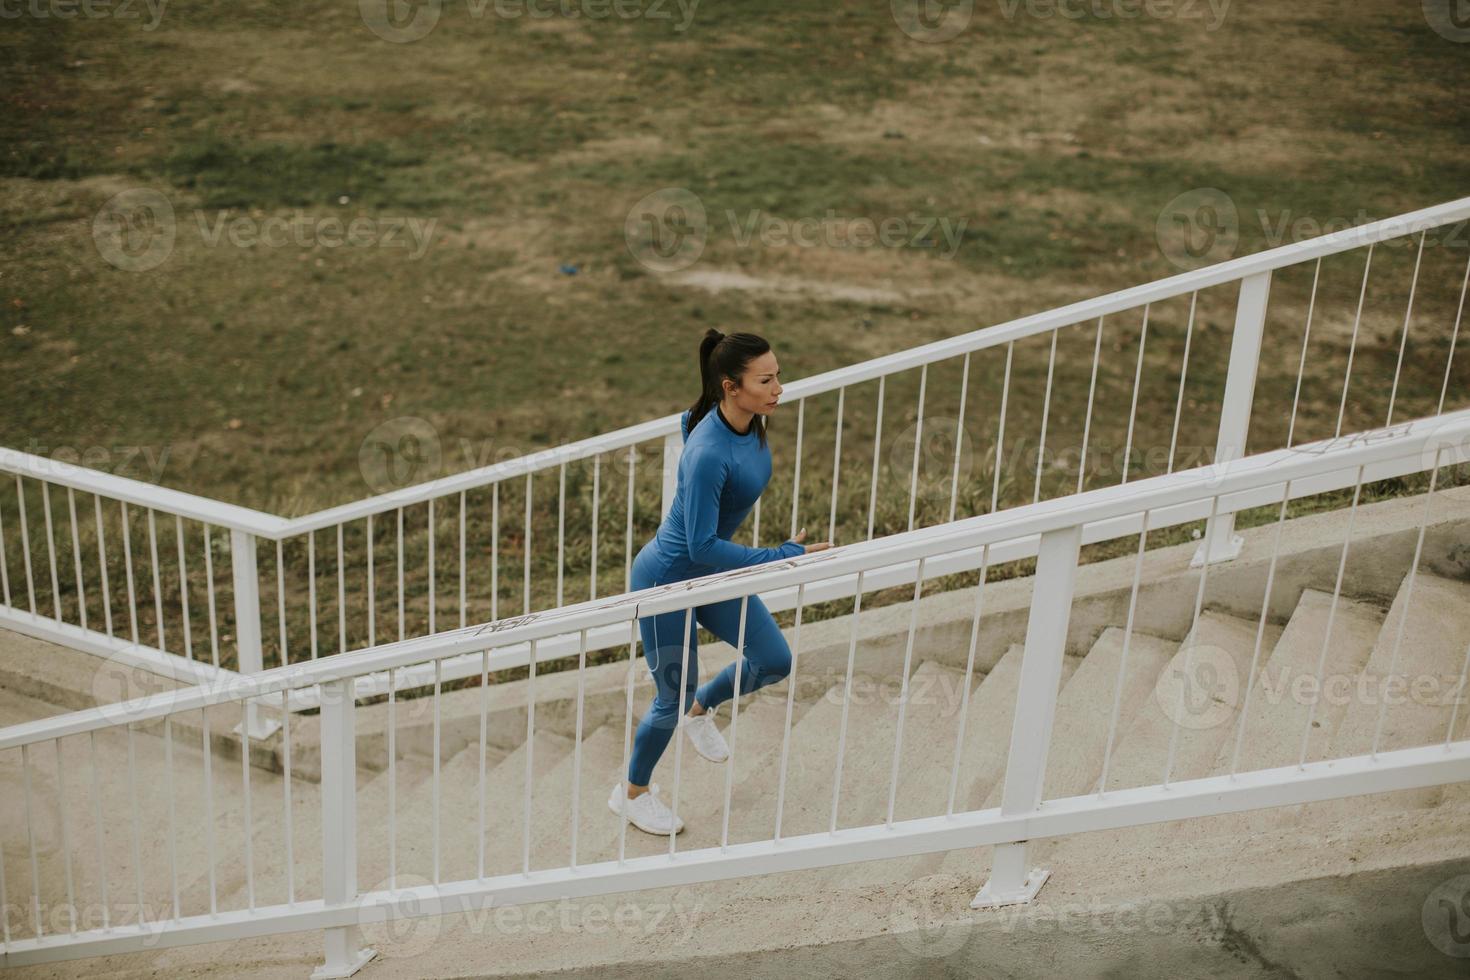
{"x": 345, "y": 954}
{"x": 247, "y": 628}
{"x": 1221, "y": 543}
{"x": 1011, "y": 883}
{"x": 673, "y": 448}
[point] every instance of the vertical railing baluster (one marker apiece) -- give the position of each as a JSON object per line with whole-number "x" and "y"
{"x": 97, "y": 827}
{"x": 157, "y": 577}
{"x": 494, "y": 551}
{"x": 526, "y": 584}
{"x": 1398, "y": 640}
{"x": 392, "y": 779}
{"x": 679, "y": 725}
{"x": 311, "y": 588}
{"x": 434, "y": 791}
{"x": 25, "y": 544}
{"x": 959, "y": 436}
{"x": 628, "y": 531}
{"x": 432, "y": 536}
{"x": 836, "y": 465}
{"x": 877, "y": 452}
{"x": 1301, "y": 365}
{"x": 1454, "y": 339}
{"x": 1250, "y": 681}
{"x": 852, "y": 634}
{"x": 1404, "y": 338}
{"x": 76, "y": 555}
{"x": 401, "y": 563}
{"x": 372, "y": 584}
{"x": 1091, "y": 395}
{"x": 184, "y": 587}
{"x": 208, "y": 752}
{"x": 959, "y": 738}
{"x": 5, "y": 561}
{"x": 209, "y": 587}
{"x": 918, "y": 445}
{"x": 1102, "y": 783}
{"x": 168, "y": 776}
{"x": 790, "y": 709}
{"x": 101, "y": 566}
{"x": 1183, "y": 378}
{"x": 673, "y": 450}
{"x": 796, "y": 474}
{"x": 281, "y": 599}
{"x": 463, "y": 568}
{"x": 561, "y": 533}
{"x": 1051, "y": 364}
{"x": 530, "y": 763}
{"x": 51, "y": 551}
{"x": 61, "y": 811}
{"x": 1000, "y": 430}
{"x": 289, "y": 820}
{"x": 903, "y": 691}
{"x": 484, "y": 735}
{"x": 341, "y": 593}
{"x": 127, "y": 564}
{"x": 577, "y": 742}
{"x": 25, "y": 772}
{"x": 735, "y": 719}
{"x": 137, "y": 837}
{"x": 627, "y": 736}
{"x": 596, "y": 500}
{"x": 1191, "y": 642}
{"x": 1353, "y": 342}
{"x": 1137, "y": 385}
{"x": 249, "y": 816}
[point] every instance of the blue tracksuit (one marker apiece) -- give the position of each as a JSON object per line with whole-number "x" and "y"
{"x": 721, "y": 474}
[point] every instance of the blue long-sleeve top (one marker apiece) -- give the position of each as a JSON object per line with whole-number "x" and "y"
{"x": 721, "y": 474}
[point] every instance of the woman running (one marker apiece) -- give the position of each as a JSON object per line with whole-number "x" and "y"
{"x": 723, "y": 469}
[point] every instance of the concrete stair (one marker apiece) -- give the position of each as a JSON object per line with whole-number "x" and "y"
{"x": 1206, "y": 672}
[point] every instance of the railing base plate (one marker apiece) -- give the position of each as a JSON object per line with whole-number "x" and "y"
{"x": 988, "y": 899}
{"x": 334, "y": 971}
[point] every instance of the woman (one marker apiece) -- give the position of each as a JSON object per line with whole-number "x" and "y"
{"x": 723, "y": 469}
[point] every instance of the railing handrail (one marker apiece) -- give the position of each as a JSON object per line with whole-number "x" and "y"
{"x": 1443, "y": 441}
{"x": 272, "y": 527}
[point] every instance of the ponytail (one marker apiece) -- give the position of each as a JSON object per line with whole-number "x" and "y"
{"x": 724, "y": 356}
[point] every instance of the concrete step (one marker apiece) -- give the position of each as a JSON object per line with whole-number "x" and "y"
{"x": 68, "y": 804}
{"x": 1420, "y": 691}
{"x": 1281, "y": 702}
{"x": 756, "y": 750}
{"x": 1192, "y": 705}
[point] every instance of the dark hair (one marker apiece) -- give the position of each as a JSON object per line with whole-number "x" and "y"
{"x": 725, "y": 356}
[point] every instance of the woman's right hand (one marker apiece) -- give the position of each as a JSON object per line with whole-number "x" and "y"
{"x": 800, "y": 538}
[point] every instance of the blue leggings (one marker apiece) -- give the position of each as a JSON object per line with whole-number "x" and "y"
{"x": 767, "y": 660}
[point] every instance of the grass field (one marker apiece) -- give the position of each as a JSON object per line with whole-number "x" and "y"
{"x": 1028, "y": 161}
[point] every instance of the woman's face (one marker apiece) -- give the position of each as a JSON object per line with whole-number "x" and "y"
{"x": 760, "y": 385}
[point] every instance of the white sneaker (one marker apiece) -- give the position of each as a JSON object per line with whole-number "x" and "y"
{"x": 707, "y": 739}
{"x": 646, "y": 811}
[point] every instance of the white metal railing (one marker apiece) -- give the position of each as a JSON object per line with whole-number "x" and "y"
{"x": 1053, "y": 531}
{"x": 403, "y": 534}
